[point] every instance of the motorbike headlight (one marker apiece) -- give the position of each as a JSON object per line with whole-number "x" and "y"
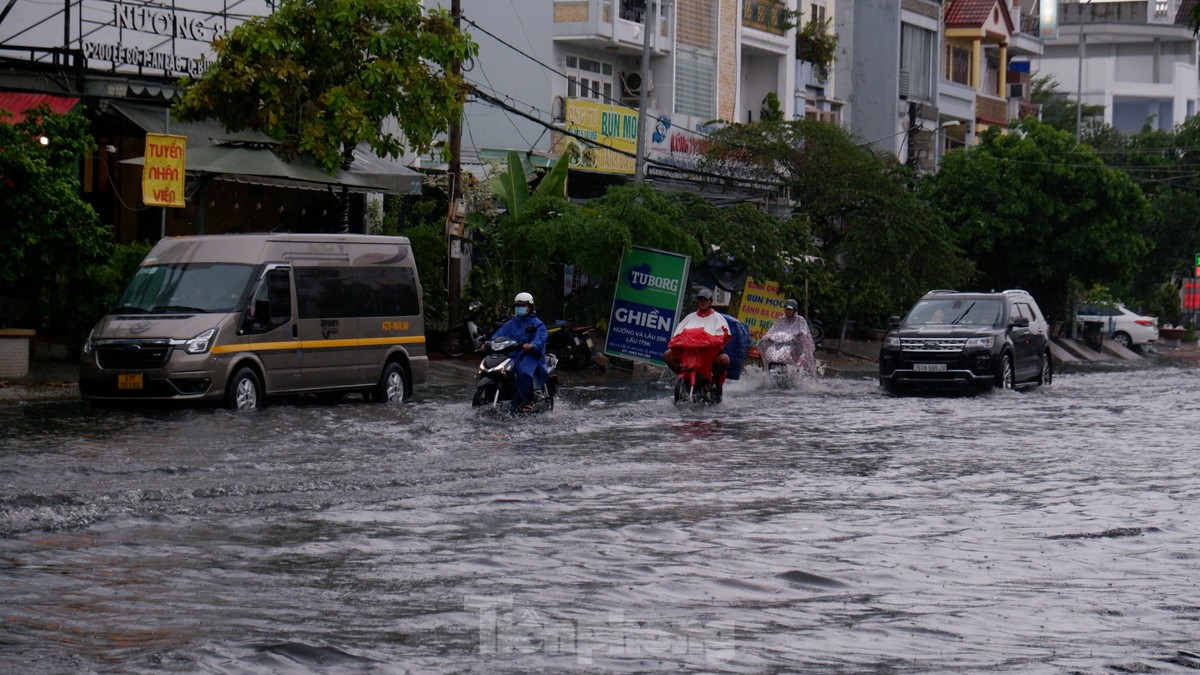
{"x": 981, "y": 342}
{"x": 201, "y": 343}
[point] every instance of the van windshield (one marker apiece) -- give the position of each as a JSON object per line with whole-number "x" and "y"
{"x": 186, "y": 287}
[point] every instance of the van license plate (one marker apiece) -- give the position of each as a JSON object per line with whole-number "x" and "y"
{"x": 129, "y": 381}
{"x": 929, "y": 367}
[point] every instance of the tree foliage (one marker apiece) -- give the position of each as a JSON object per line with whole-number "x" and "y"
{"x": 883, "y": 245}
{"x": 1166, "y": 165}
{"x": 1060, "y": 111}
{"x": 50, "y": 237}
{"x": 324, "y": 75}
{"x": 1037, "y": 211}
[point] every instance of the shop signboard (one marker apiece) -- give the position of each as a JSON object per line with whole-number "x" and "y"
{"x": 647, "y": 301}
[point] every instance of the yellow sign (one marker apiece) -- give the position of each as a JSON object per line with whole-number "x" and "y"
{"x": 761, "y": 304}
{"x": 162, "y": 173}
{"x": 613, "y": 129}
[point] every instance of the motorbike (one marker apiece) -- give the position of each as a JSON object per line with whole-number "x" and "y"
{"x": 781, "y": 361}
{"x": 694, "y": 382}
{"x": 574, "y": 345}
{"x": 494, "y": 388}
{"x": 786, "y": 355}
{"x": 817, "y": 328}
{"x": 466, "y": 336}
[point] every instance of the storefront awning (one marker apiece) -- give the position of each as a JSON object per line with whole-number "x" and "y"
{"x": 17, "y": 102}
{"x": 248, "y": 157}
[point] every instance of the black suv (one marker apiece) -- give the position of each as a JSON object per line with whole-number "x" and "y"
{"x": 967, "y": 340}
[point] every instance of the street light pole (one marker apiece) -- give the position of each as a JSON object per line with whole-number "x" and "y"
{"x": 1079, "y": 81}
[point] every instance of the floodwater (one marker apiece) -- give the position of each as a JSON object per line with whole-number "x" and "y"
{"x": 825, "y": 528}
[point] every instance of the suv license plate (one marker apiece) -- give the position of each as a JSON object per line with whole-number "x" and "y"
{"x": 129, "y": 381}
{"x": 929, "y": 367}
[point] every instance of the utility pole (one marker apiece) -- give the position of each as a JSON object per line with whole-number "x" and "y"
{"x": 910, "y": 137}
{"x": 650, "y": 21}
{"x": 453, "y": 231}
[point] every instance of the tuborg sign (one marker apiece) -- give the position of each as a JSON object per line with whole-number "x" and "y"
{"x": 648, "y": 298}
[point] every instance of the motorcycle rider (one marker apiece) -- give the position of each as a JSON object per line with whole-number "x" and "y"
{"x": 529, "y": 365}
{"x": 710, "y": 321}
{"x": 792, "y": 329}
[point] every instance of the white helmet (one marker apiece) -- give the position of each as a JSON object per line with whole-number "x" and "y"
{"x": 523, "y": 297}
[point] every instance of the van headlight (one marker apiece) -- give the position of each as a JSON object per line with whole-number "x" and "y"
{"x": 201, "y": 343}
{"x": 981, "y": 342}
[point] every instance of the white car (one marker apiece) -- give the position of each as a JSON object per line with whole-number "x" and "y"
{"x": 1122, "y": 324}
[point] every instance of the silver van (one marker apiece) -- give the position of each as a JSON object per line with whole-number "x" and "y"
{"x": 236, "y": 318}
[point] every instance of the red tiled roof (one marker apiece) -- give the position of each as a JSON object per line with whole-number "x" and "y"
{"x": 17, "y": 102}
{"x": 975, "y": 13}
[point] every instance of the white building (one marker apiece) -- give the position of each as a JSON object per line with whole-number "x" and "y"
{"x": 1138, "y": 59}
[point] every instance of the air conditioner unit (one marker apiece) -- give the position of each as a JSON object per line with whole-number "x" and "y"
{"x": 1016, "y": 90}
{"x": 631, "y": 84}
{"x": 904, "y": 79}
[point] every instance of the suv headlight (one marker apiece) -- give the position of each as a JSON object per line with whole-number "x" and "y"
{"x": 981, "y": 342}
{"x": 88, "y": 345}
{"x": 201, "y": 343}
{"x": 891, "y": 341}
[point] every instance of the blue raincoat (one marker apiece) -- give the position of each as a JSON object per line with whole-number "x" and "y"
{"x": 738, "y": 345}
{"x": 529, "y": 367}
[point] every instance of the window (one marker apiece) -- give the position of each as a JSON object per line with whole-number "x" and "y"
{"x": 589, "y": 79}
{"x": 346, "y": 292}
{"x": 696, "y": 63}
{"x": 916, "y": 59}
{"x": 958, "y": 65}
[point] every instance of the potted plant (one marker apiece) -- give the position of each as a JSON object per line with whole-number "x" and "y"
{"x": 815, "y": 44}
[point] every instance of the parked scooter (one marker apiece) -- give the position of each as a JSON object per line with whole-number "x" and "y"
{"x": 466, "y": 336}
{"x": 494, "y": 388}
{"x": 574, "y": 345}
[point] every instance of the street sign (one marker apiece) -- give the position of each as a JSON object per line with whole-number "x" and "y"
{"x": 647, "y": 301}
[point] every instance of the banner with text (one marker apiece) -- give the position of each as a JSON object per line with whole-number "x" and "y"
{"x": 762, "y": 303}
{"x": 613, "y": 128}
{"x": 648, "y": 298}
{"x": 162, "y": 173}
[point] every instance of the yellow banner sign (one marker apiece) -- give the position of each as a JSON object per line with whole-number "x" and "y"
{"x": 613, "y": 128}
{"x": 761, "y": 304}
{"x": 162, "y": 173}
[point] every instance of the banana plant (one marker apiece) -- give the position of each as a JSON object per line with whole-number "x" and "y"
{"x": 512, "y": 186}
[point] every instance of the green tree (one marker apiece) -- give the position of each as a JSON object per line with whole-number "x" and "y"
{"x": 1164, "y": 164}
{"x": 323, "y": 76}
{"x": 1058, "y": 109}
{"x": 883, "y": 245}
{"x": 51, "y": 237}
{"x": 1038, "y": 211}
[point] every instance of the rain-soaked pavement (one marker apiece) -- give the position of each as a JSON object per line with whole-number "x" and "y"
{"x": 822, "y": 529}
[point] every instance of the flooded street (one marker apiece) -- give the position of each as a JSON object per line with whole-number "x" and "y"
{"x": 827, "y": 528}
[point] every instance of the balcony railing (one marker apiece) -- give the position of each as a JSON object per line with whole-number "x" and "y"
{"x": 991, "y": 110}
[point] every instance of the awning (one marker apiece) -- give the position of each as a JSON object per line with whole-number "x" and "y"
{"x": 247, "y": 156}
{"x": 17, "y": 102}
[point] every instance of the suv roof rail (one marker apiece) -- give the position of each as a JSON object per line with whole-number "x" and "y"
{"x": 941, "y": 290}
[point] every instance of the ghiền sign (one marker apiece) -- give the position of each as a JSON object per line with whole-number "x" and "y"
{"x": 162, "y": 173}
{"x": 649, "y": 296}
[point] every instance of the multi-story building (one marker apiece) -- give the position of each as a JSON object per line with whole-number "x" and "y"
{"x": 1137, "y": 59}
{"x": 572, "y": 70}
{"x": 917, "y": 77}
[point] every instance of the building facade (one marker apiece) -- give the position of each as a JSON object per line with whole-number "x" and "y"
{"x": 1136, "y": 59}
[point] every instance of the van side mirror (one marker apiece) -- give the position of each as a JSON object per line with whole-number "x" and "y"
{"x": 1020, "y": 322}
